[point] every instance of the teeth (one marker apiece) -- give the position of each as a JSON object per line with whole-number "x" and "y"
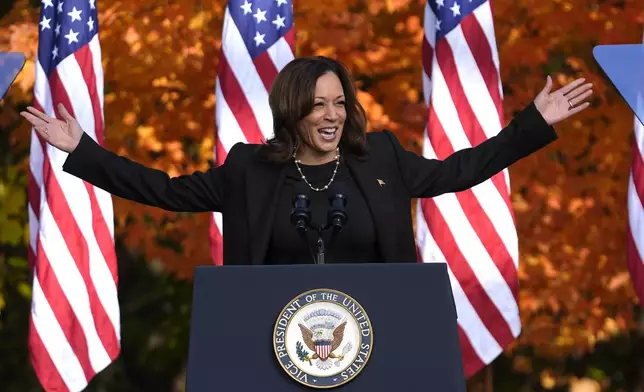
{"x": 328, "y": 130}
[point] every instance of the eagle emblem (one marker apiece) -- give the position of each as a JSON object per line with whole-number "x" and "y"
{"x": 323, "y": 338}
{"x": 323, "y": 333}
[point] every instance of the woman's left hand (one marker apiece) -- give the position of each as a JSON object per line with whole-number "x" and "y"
{"x": 563, "y": 103}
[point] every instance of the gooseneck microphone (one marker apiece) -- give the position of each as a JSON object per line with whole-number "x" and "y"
{"x": 301, "y": 213}
{"x": 337, "y": 216}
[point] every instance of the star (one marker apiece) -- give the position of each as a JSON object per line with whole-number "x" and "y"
{"x": 92, "y": 4}
{"x": 71, "y": 37}
{"x": 438, "y": 24}
{"x": 280, "y": 2}
{"x": 60, "y": 7}
{"x": 259, "y": 38}
{"x": 260, "y": 15}
{"x": 90, "y": 23}
{"x": 47, "y": 3}
{"x": 44, "y": 23}
{"x": 456, "y": 9}
{"x": 246, "y": 7}
{"x": 75, "y": 14}
{"x": 57, "y": 30}
{"x": 54, "y": 52}
{"x": 440, "y": 3}
{"x": 279, "y": 22}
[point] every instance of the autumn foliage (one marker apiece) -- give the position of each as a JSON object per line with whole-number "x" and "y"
{"x": 160, "y": 61}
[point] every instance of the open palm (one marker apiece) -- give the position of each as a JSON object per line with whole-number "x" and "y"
{"x": 62, "y": 134}
{"x": 563, "y": 103}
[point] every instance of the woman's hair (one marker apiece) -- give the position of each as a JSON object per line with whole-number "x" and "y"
{"x": 292, "y": 97}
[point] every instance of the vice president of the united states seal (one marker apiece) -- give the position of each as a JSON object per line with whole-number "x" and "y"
{"x": 323, "y": 338}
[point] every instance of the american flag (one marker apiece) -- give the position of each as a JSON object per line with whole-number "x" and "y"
{"x": 472, "y": 231}
{"x": 74, "y": 325}
{"x": 635, "y": 228}
{"x": 258, "y": 40}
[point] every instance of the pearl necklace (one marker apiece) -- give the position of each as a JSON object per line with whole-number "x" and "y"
{"x": 337, "y": 164}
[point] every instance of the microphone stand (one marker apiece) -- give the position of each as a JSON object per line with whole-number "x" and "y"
{"x": 301, "y": 219}
{"x": 320, "y": 255}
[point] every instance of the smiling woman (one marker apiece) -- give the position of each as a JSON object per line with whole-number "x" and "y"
{"x": 321, "y": 154}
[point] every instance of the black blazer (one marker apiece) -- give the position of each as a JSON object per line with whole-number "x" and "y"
{"x": 245, "y": 189}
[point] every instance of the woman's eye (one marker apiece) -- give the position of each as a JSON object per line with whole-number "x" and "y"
{"x": 340, "y": 102}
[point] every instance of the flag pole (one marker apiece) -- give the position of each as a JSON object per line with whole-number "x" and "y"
{"x": 489, "y": 380}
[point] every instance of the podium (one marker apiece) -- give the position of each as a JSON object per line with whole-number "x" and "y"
{"x": 623, "y": 66}
{"x": 344, "y": 327}
{"x": 10, "y": 66}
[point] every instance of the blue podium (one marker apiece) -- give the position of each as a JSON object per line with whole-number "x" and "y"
{"x": 377, "y": 327}
{"x": 624, "y": 67}
{"x": 10, "y": 66}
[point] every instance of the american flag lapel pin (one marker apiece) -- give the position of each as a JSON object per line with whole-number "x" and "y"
{"x": 380, "y": 182}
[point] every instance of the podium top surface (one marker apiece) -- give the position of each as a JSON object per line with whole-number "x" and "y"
{"x": 623, "y": 64}
{"x": 10, "y": 66}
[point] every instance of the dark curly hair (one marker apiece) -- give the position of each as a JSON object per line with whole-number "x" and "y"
{"x": 292, "y": 97}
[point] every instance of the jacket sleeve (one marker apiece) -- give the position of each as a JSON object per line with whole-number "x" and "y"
{"x": 526, "y": 133}
{"x": 200, "y": 191}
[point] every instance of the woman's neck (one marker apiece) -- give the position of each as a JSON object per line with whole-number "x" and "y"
{"x": 310, "y": 157}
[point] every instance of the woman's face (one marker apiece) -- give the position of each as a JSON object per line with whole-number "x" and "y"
{"x": 321, "y": 130}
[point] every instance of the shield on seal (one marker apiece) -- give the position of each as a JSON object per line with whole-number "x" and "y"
{"x": 323, "y": 348}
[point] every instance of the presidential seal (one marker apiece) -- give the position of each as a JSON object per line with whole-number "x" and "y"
{"x": 323, "y": 338}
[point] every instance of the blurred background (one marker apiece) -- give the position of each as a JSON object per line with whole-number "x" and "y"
{"x": 583, "y": 327}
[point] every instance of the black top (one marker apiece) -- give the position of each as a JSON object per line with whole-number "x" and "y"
{"x": 356, "y": 243}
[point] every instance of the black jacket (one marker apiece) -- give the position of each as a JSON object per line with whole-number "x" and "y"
{"x": 245, "y": 188}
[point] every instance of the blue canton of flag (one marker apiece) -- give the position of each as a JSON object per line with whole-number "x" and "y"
{"x": 449, "y": 13}
{"x": 261, "y": 22}
{"x": 65, "y": 27}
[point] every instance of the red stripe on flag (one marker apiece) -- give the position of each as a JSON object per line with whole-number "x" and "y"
{"x": 41, "y": 361}
{"x": 65, "y": 316}
{"x": 480, "y": 48}
{"x": 239, "y": 105}
{"x": 33, "y": 194}
{"x": 472, "y": 363}
{"x": 220, "y": 153}
{"x": 635, "y": 265}
{"x": 84, "y": 58}
{"x": 290, "y": 38}
{"x": 266, "y": 69}
{"x": 428, "y": 56}
{"x": 102, "y": 233}
{"x": 478, "y": 297}
{"x": 637, "y": 166}
{"x": 476, "y": 215}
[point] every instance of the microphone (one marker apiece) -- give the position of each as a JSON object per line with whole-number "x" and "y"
{"x": 337, "y": 216}
{"x": 300, "y": 213}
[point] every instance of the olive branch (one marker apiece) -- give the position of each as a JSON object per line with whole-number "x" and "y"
{"x": 302, "y": 354}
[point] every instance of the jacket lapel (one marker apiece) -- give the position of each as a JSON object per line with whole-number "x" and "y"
{"x": 263, "y": 185}
{"x": 379, "y": 200}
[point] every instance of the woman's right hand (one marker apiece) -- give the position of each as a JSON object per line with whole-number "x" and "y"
{"x": 64, "y": 135}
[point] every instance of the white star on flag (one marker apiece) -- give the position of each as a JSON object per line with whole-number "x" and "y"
{"x": 279, "y": 21}
{"x": 75, "y": 14}
{"x": 260, "y": 15}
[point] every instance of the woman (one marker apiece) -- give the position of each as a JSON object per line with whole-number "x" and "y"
{"x": 319, "y": 143}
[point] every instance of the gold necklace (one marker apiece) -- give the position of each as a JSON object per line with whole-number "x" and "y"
{"x": 335, "y": 170}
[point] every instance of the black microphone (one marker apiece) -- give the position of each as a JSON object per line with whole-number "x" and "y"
{"x": 301, "y": 213}
{"x": 337, "y": 216}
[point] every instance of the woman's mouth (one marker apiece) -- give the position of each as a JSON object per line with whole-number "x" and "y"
{"x": 328, "y": 133}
